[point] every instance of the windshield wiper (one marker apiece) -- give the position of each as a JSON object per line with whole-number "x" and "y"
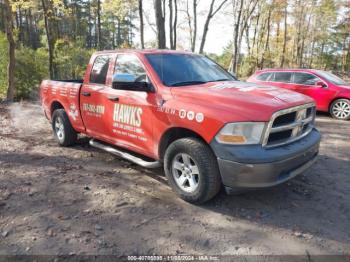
{"x": 187, "y": 83}
{"x": 220, "y": 80}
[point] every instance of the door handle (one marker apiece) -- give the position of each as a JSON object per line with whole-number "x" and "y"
{"x": 86, "y": 93}
{"x": 113, "y": 98}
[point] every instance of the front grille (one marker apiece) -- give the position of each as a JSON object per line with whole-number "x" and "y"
{"x": 289, "y": 125}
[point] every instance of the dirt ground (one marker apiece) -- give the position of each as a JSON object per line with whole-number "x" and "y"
{"x": 79, "y": 200}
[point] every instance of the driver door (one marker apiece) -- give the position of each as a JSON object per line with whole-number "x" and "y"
{"x": 131, "y": 112}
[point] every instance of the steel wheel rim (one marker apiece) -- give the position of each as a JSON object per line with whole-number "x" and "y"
{"x": 185, "y": 172}
{"x": 341, "y": 109}
{"x": 59, "y": 128}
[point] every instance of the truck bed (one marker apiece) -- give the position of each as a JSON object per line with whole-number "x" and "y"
{"x": 62, "y": 94}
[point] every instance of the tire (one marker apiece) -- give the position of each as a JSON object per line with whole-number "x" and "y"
{"x": 340, "y": 109}
{"x": 203, "y": 176}
{"x": 63, "y": 131}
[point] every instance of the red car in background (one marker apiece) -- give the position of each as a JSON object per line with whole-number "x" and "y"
{"x": 331, "y": 93}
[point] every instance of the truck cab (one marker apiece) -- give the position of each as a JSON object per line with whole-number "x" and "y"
{"x": 183, "y": 111}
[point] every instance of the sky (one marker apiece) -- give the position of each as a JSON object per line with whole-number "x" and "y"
{"x": 220, "y": 29}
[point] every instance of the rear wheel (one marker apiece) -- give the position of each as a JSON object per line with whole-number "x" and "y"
{"x": 192, "y": 170}
{"x": 340, "y": 109}
{"x": 63, "y": 131}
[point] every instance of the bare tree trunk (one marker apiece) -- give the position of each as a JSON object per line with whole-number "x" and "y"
{"x": 20, "y": 25}
{"x": 119, "y": 29}
{"x": 11, "y": 52}
{"x": 175, "y": 24}
{"x": 312, "y": 53}
{"x": 256, "y": 29}
{"x": 89, "y": 26}
{"x": 160, "y": 21}
{"x": 2, "y": 19}
{"x": 195, "y": 25}
{"x": 113, "y": 34}
{"x": 50, "y": 40}
{"x": 171, "y": 23}
{"x": 235, "y": 40}
{"x": 210, "y": 15}
{"x": 267, "y": 43}
{"x": 247, "y": 39}
{"x": 284, "y": 36}
{"x": 27, "y": 27}
{"x": 99, "y": 40}
{"x": 31, "y": 37}
{"x": 300, "y": 17}
{"x": 95, "y": 29}
{"x": 141, "y": 25}
{"x": 301, "y": 60}
{"x": 193, "y": 30}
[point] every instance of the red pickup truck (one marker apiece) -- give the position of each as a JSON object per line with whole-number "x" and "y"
{"x": 183, "y": 111}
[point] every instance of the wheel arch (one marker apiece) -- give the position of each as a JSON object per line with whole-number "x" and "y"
{"x": 175, "y": 133}
{"x": 335, "y": 99}
{"x": 54, "y": 106}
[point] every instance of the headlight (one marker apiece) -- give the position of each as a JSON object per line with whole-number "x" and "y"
{"x": 244, "y": 133}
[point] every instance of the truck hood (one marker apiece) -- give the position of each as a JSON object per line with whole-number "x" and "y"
{"x": 239, "y": 101}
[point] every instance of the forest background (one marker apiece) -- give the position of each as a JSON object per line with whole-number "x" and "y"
{"x": 55, "y": 38}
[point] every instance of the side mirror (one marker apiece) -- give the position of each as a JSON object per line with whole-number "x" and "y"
{"x": 133, "y": 86}
{"x": 321, "y": 84}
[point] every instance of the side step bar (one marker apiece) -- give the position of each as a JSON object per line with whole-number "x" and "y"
{"x": 124, "y": 155}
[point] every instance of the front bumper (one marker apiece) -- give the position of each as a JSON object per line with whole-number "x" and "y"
{"x": 246, "y": 167}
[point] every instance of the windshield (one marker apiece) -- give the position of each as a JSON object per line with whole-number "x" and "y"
{"x": 332, "y": 78}
{"x": 187, "y": 69}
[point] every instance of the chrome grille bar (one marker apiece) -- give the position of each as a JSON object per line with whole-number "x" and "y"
{"x": 296, "y": 126}
{"x": 291, "y": 126}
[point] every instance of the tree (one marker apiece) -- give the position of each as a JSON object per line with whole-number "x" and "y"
{"x": 117, "y": 20}
{"x": 243, "y": 11}
{"x": 142, "y": 40}
{"x": 11, "y": 51}
{"x": 212, "y": 12}
{"x": 192, "y": 28}
{"x": 173, "y": 23}
{"x": 284, "y": 35}
{"x": 233, "y": 68}
{"x": 98, "y": 33}
{"x": 160, "y": 21}
{"x": 61, "y": 34}
{"x": 50, "y": 34}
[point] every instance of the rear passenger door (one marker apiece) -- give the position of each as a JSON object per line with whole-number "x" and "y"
{"x": 282, "y": 79}
{"x": 92, "y": 102}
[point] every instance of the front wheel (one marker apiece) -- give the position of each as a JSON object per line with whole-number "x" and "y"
{"x": 192, "y": 170}
{"x": 340, "y": 109}
{"x": 62, "y": 128}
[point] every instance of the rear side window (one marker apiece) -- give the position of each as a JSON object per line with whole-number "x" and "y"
{"x": 263, "y": 77}
{"x": 305, "y": 79}
{"x": 99, "y": 70}
{"x": 284, "y": 77}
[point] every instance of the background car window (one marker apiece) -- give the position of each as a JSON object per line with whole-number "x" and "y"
{"x": 332, "y": 78}
{"x": 284, "y": 77}
{"x": 129, "y": 69}
{"x": 305, "y": 79}
{"x": 263, "y": 77}
{"x": 99, "y": 70}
